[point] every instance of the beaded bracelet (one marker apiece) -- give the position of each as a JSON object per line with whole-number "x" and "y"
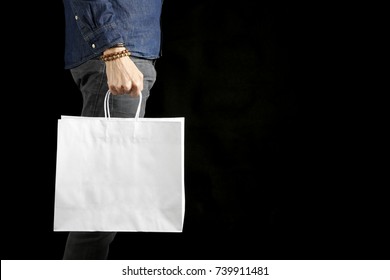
{"x": 116, "y": 55}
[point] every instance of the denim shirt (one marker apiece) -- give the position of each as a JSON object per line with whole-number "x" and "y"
{"x": 92, "y": 26}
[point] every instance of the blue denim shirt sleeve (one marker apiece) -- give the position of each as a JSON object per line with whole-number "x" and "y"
{"x": 92, "y": 26}
{"x": 96, "y": 22}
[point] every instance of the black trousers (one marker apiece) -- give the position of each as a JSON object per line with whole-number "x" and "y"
{"x": 88, "y": 245}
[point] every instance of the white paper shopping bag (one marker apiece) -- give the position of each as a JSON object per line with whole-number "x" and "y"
{"x": 119, "y": 174}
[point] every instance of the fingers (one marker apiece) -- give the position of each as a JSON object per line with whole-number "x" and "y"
{"x": 133, "y": 88}
{"x": 123, "y": 77}
{"x": 136, "y": 88}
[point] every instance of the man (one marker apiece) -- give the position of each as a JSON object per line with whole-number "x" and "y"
{"x": 110, "y": 45}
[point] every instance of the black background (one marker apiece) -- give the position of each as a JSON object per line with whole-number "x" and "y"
{"x": 276, "y": 162}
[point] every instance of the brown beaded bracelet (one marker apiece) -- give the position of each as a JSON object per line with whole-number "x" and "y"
{"x": 116, "y": 55}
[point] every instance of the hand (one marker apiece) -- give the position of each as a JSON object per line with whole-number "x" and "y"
{"x": 123, "y": 76}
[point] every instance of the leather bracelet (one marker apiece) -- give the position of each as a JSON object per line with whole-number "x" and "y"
{"x": 119, "y": 45}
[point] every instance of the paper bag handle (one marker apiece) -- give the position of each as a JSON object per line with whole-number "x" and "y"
{"x": 107, "y": 105}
